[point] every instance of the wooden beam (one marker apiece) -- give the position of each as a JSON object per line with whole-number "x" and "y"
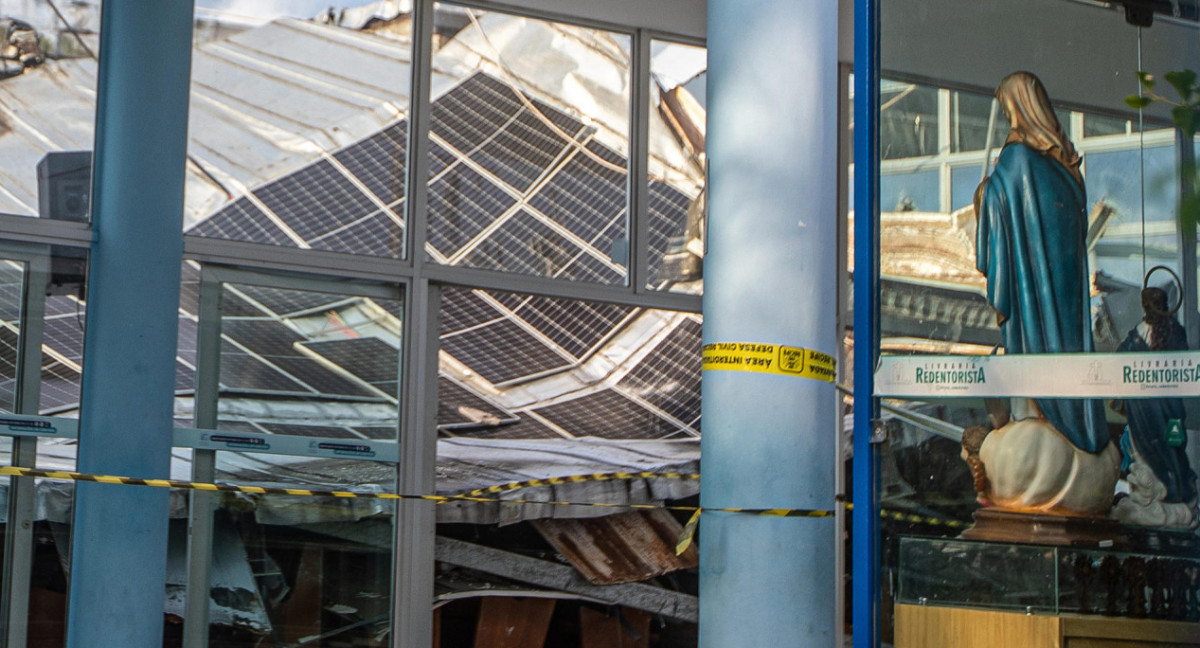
{"x": 564, "y": 578}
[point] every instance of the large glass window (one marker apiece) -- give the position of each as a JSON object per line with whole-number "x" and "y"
{"x": 298, "y": 126}
{"x": 529, "y": 146}
{"x": 677, "y": 217}
{"x": 1034, "y": 315}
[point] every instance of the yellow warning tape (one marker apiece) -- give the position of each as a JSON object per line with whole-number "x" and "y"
{"x": 481, "y": 495}
{"x": 578, "y": 479}
{"x": 769, "y": 358}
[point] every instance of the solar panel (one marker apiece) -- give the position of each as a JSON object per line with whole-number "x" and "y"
{"x": 185, "y": 378}
{"x": 524, "y": 245}
{"x": 669, "y": 377}
{"x": 375, "y": 234}
{"x": 440, "y": 159}
{"x": 378, "y": 433}
{"x": 588, "y": 196}
{"x": 461, "y": 204}
{"x": 309, "y": 430}
{"x": 576, "y": 326}
{"x": 63, "y": 305}
{"x": 462, "y": 309}
{"x": 60, "y": 387}
{"x": 472, "y": 111}
{"x": 523, "y": 150}
{"x": 242, "y": 221}
{"x": 237, "y": 426}
{"x": 526, "y": 428}
{"x": 667, "y": 210}
{"x": 240, "y": 372}
{"x": 288, "y": 302}
{"x": 12, "y": 289}
{"x": 321, "y": 379}
{"x": 185, "y": 344}
{"x": 232, "y": 305}
{"x": 9, "y": 345}
{"x": 609, "y": 415}
{"x": 379, "y": 162}
{"x": 369, "y": 358}
{"x": 264, "y": 337}
{"x": 502, "y": 351}
{"x": 189, "y": 289}
{"x": 315, "y": 200}
{"x": 64, "y": 334}
{"x": 457, "y": 405}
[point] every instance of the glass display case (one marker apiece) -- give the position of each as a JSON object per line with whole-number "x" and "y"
{"x": 1048, "y": 579}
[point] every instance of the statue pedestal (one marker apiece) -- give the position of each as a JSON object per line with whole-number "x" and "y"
{"x": 1000, "y": 525}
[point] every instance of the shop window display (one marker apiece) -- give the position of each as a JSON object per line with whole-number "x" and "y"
{"x": 1037, "y": 322}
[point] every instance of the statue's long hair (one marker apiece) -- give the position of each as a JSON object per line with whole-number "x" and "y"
{"x": 1027, "y": 106}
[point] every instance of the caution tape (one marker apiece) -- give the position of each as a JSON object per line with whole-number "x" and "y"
{"x": 578, "y": 479}
{"x": 768, "y": 358}
{"x": 481, "y": 495}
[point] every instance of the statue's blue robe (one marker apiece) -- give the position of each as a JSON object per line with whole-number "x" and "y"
{"x": 1031, "y": 244}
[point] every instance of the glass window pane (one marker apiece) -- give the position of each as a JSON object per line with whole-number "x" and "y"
{"x": 917, "y": 191}
{"x": 677, "y": 162}
{"x": 971, "y": 113}
{"x": 1079, "y": 213}
{"x": 321, "y": 368}
{"x": 963, "y": 182}
{"x": 541, "y": 388}
{"x": 1098, "y": 125}
{"x": 48, "y": 103}
{"x": 298, "y": 125}
{"x": 299, "y": 348}
{"x": 529, "y": 146}
{"x": 908, "y": 120}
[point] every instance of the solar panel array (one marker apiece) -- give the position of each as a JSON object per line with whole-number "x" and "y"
{"x": 516, "y": 186}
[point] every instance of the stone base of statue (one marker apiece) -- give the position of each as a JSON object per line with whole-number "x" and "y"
{"x": 999, "y": 525}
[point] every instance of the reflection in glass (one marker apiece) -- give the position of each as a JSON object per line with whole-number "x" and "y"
{"x": 677, "y": 161}
{"x": 48, "y": 83}
{"x": 528, "y": 146}
{"x": 298, "y": 126}
{"x": 314, "y": 365}
{"x": 971, "y": 113}
{"x": 917, "y": 191}
{"x": 521, "y": 366}
{"x": 309, "y": 364}
{"x": 908, "y": 120}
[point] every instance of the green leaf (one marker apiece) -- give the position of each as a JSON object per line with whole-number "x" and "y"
{"x": 1138, "y": 102}
{"x": 1184, "y": 82}
{"x": 1146, "y": 79}
{"x": 1189, "y": 211}
{"x": 1186, "y": 119}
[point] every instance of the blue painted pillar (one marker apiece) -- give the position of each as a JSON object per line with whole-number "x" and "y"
{"x": 119, "y": 538}
{"x": 770, "y": 277}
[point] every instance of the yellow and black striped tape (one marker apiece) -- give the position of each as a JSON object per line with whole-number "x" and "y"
{"x": 578, "y": 479}
{"x": 478, "y": 495}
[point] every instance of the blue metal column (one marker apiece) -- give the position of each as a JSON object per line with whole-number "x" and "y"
{"x": 770, "y": 277}
{"x": 864, "y": 566}
{"x": 119, "y": 539}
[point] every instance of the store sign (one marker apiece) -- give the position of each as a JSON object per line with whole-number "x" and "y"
{"x": 1097, "y": 375}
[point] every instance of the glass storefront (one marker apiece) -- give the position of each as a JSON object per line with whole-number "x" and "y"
{"x": 1037, "y": 316}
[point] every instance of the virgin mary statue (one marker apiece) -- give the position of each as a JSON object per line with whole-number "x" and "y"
{"x": 1052, "y": 454}
{"x": 1030, "y": 242}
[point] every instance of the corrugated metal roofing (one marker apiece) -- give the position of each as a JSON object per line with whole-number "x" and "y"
{"x": 624, "y": 548}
